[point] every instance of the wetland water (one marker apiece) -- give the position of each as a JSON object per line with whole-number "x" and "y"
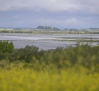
{"x": 48, "y": 41}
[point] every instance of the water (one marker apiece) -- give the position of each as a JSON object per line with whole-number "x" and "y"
{"x": 47, "y": 41}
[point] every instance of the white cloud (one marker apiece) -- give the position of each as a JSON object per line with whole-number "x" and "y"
{"x": 52, "y": 5}
{"x": 73, "y": 20}
{"x": 53, "y": 21}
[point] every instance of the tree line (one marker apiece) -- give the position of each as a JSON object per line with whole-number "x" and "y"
{"x": 84, "y": 55}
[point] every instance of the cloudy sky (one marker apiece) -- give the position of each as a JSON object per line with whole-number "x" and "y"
{"x": 55, "y": 13}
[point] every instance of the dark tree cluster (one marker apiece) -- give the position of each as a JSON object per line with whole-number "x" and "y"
{"x": 6, "y": 47}
{"x": 44, "y": 27}
{"x": 48, "y": 28}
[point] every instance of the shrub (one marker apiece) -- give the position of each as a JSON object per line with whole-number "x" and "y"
{"x": 6, "y": 47}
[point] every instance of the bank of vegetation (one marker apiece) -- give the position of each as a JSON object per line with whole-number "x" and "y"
{"x": 61, "y": 69}
{"x": 49, "y": 29}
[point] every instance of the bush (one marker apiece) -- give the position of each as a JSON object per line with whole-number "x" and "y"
{"x": 83, "y": 55}
{"x": 6, "y": 47}
{"x": 27, "y": 53}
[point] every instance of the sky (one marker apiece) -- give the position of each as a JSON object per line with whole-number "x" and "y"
{"x": 78, "y": 14}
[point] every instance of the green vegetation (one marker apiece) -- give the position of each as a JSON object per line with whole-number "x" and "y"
{"x": 84, "y": 55}
{"x": 49, "y": 29}
{"x": 17, "y": 28}
{"x": 6, "y": 47}
{"x": 61, "y": 69}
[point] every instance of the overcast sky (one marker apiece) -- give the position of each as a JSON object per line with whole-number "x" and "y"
{"x": 55, "y": 13}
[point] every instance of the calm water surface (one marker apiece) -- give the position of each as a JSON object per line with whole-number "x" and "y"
{"x": 47, "y": 41}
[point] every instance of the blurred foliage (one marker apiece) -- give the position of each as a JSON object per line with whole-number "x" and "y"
{"x": 61, "y": 69}
{"x": 6, "y": 47}
{"x": 73, "y": 79}
{"x": 84, "y": 55}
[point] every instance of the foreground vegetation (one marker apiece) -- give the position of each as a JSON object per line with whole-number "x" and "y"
{"x": 61, "y": 69}
{"x": 72, "y": 79}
